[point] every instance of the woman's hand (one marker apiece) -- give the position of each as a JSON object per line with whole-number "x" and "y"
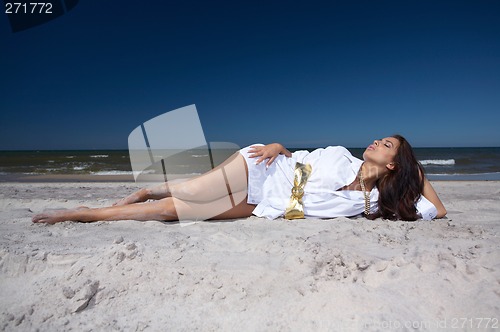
{"x": 270, "y": 151}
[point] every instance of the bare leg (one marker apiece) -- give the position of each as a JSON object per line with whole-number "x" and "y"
{"x": 158, "y": 210}
{"x": 141, "y": 195}
{"x": 229, "y": 177}
{"x": 221, "y": 192}
{"x": 242, "y": 210}
{"x": 163, "y": 210}
{"x": 213, "y": 184}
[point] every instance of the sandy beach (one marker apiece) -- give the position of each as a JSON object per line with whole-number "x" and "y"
{"x": 249, "y": 274}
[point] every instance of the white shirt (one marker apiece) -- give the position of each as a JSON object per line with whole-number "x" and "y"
{"x": 332, "y": 168}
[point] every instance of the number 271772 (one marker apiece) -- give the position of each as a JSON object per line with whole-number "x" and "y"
{"x": 28, "y": 8}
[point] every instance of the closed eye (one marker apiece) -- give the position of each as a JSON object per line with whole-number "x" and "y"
{"x": 388, "y": 144}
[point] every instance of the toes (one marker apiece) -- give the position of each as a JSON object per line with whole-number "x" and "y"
{"x": 41, "y": 218}
{"x": 47, "y": 218}
{"x": 37, "y": 218}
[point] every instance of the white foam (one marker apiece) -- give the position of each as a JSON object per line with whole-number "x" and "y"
{"x": 112, "y": 173}
{"x": 99, "y": 156}
{"x": 444, "y": 162}
{"x": 81, "y": 166}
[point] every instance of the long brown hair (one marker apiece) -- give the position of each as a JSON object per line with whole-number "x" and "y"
{"x": 400, "y": 189}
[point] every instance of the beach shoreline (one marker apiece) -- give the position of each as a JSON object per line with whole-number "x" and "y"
{"x": 52, "y": 178}
{"x": 128, "y": 178}
{"x": 347, "y": 274}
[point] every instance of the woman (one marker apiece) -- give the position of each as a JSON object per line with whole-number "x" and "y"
{"x": 389, "y": 183}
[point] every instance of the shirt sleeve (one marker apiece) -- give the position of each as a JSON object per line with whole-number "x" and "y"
{"x": 425, "y": 209}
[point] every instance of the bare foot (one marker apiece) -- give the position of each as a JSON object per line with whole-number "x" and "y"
{"x": 138, "y": 196}
{"x": 50, "y": 217}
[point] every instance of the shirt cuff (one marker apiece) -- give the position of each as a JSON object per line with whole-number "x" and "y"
{"x": 425, "y": 209}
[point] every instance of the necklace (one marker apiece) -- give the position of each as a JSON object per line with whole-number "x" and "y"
{"x": 366, "y": 194}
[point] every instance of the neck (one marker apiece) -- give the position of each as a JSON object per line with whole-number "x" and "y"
{"x": 371, "y": 173}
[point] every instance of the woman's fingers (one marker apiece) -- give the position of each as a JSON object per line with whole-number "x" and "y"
{"x": 270, "y": 152}
{"x": 270, "y": 161}
{"x": 261, "y": 159}
{"x": 255, "y": 151}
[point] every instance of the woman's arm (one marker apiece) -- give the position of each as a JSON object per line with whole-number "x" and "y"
{"x": 432, "y": 196}
{"x": 269, "y": 151}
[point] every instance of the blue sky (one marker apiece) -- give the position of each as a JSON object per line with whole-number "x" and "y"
{"x": 306, "y": 74}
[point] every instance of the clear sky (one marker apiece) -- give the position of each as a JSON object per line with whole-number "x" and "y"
{"x": 306, "y": 74}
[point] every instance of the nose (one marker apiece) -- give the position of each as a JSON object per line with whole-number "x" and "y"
{"x": 375, "y": 142}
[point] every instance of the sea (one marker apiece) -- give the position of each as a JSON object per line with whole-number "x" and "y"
{"x": 448, "y": 164}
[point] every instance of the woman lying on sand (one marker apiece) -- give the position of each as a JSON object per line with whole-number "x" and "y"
{"x": 270, "y": 181}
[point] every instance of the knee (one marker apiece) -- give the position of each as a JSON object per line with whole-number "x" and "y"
{"x": 168, "y": 211}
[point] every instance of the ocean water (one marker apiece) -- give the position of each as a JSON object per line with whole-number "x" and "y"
{"x": 457, "y": 163}
{"x": 439, "y": 163}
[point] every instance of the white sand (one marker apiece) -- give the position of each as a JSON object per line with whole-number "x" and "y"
{"x": 251, "y": 274}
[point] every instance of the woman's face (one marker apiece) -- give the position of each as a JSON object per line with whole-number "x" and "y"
{"x": 382, "y": 151}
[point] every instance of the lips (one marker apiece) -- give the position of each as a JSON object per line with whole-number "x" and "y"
{"x": 371, "y": 147}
